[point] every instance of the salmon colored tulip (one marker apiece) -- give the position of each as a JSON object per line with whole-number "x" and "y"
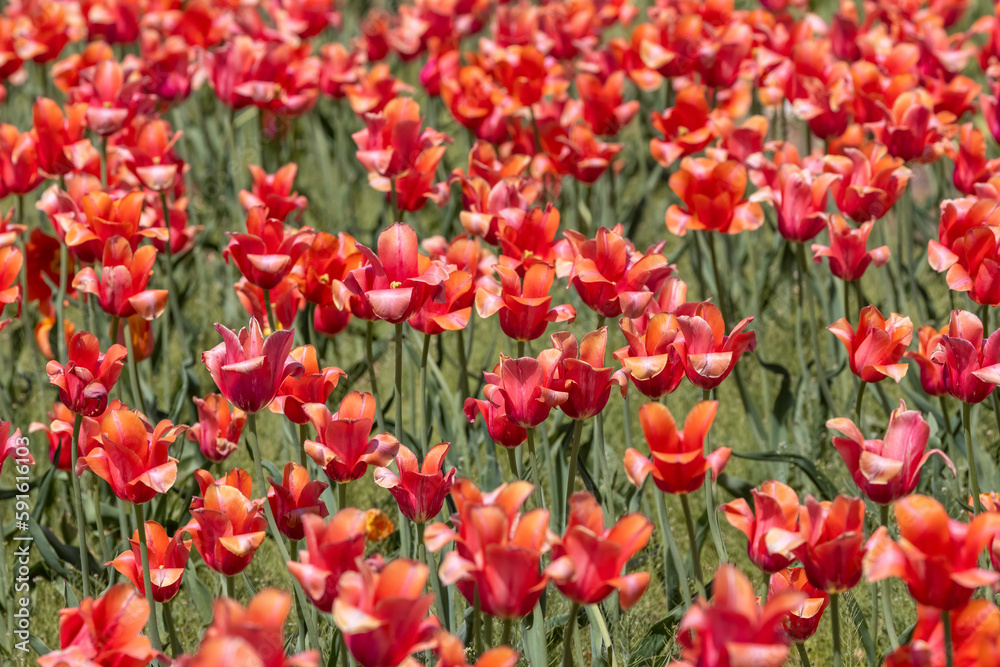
{"x": 121, "y": 288}
{"x": 876, "y": 347}
{"x": 11, "y": 261}
{"x": 523, "y": 389}
{"x": 829, "y": 542}
{"x": 651, "y": 358}
{"x": 266, "y": 253}
{"x": 294, "y": 498}
{"x": 248, "y": 368}
{"x": 975, "y": 638}
{"x": 524, "y": 305}
{"x": 599, "y": 555}
{"x": 686, "y": 127}
{"x": 708, "y": 354}
{"x": 237, "y": 478}
{"x": 931, "y": 374}
{"x": 274, "y": 192}
{"x": 132, "y": 456}
{"x": 104, "y": 218}
{"x": 332, "y": 547}
{"x": 936, "y": 556}
{"x": 59, "y": 433}
{"x": 911, "y": 130}
{"x": 970, "y": 363}
{"x": 19, "y": 173}
{"x": 775, "y": 505}
{"x": 227, "y": 526}
{"x": 678, "y": 462}
{"x": 57, "y": 134}
{"x": 451, "y": 653}
{"x": 889, "y": 469}
{"x": 383, "y": 615}
{"x": 10, "y": 443}
{"x": 218, "y": 429}
{"x": 972, "y": 263}
{"x": 419, "y": 490}
{"x": 734, "y": 629}
{"x": 713, "y": 196}
{"x": 113, "y": 95}
{"x": 582, "y": 375}
{"x": 152, "y": 158}
{"x": 104, "y": 631}
{"x": 869, "y": 181}
{"x": 799, "y": 200}
{"x": 251, "y": 636}
{"x": 397, "y": 281}
{"x": 345, "y": 447}
{"x": 801, "y": 623}
{"x": 848, "y": 250}
{"x": 611, "y": 277}
{"x": 168, "y": 557}
{"x": 498, "y": 550}
{"x": 314, "y": 386}
{"x": 453, "y": 312}
{"x": 971, "y": 165}
{"x": 88, "y": 376}
{"x": 990, "y": 502}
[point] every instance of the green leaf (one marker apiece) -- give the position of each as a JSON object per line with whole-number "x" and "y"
{"x": 199, "y": 593}
{"x": 534, "y": 640}
{"x": 823, "y": 484}
{"x": 37, "y": 645}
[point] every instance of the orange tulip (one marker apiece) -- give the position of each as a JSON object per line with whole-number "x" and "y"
{"x": 228, "y": 526}
{"x": 121, "y": 288}
{"x": 167, "y": 559}
{"x": 345, "y": 447}
{"x": 708, "y": 354}
{"x": 652, "y": 359}
{"x": 803, "y": 622}
{"x": 776, "y": 505}
{"x": 523, "y": 302}
{"x": 294, "y": 498}
{"x": 713, "y": 195}
{"x": 274, "y": 192}
{"x": 218, "y": 429}
{"x": 877, "y": 346}
{"x": 332, "y": 548}
{"x": 314, "y": 386}
{"x": 975, "y": 638}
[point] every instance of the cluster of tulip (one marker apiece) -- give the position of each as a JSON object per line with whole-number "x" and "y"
{"x": 544, "y": 99}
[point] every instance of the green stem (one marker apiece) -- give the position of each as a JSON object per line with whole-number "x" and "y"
{"x": 949, "y": 650}
{"x": 670, "y": 548}
{"x": 606, "y": 486}
{"x": 95, "y": 489}
{"x": 567, "y": 660}
{"x": 847, "y": 301}
{"x": 574, "y": 453}
{"x": 890, "y": 624}
{"x": 838, "y": 659}
{"x": 168, "y": 621}
{"x": 713, "y": 519}
{"x": 133, "y": 370}
{"x": 441, "y": 597}
{"x": 512, "y": 459}
{"x": 267, "y": 309}
{"x": 273, "y": 526}
{"x": 463, "y": 371}
{"x": 506, "y": 630}
{"x": 165, "y": 325}
{"x": 520, "y": 349}
{"x": 398, "y": 400}
{"x": 862, "y": 385}
{"x": 151, "y": 627}
{"x": 977, "y": 503}
{"x": 824, "y": 387}
{"x": 230, "y": 582}
{"x": 60, "y": 307}
{"x": 107, "y": 165}
{"x": 723, "y": 297}
{"x": 477, "y": 620}
{"x": 81, "y": 524}
{"x": 424, "y": 434}
{"x": 803, "y": 656}
{"x": 371, "y": 376}
{"x": 693, "y": 539}
{"x": 302, "y": 445}
{"x": 341, "y": 495}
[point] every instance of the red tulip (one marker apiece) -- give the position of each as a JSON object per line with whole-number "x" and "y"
{"x": 708, "y": 354}
{"x": 113, "y": 96}
{"x": 877, "y": 346}
{"x": 975, "y": 638}
{"x": 869, "y": 181}
{"x": 218, "y": 429}
{"x": 295, "y": 498}
{"x": 848, "y": 250}
{"x": 19, "y": 173}
{"x": 971, "y": 165}
{"x": 799, "y": 200}
{"x": 524, "y": 389}
{"x": 775, "y": 505}
{"x": 829, "y": 542}
{"x": 345, "y": 447}
{"x": 971, "y": 365}
{"x": 104, "y": 631}
{"x": 600, "y": 555}
{"x": 419, "y": 490}
{"x": 990, "y": 502}
{"x": 87, "y": 378}
{"x": 251, "y": 636}
{"x": 611, "y": 277}
{"x": 132, "y": 456}
{"x": 713, "y": 196}
{"x": 523, "y": 307}
{"x": 911, "y": 130}
{"x": 451, "y": 652}
{"x": 103, "y": 219}
{"x": 686, "y": 127}
{"x": 152, "y": 157}
{"x": 501, "y": 429}
{"x": 931, "y": 374}
{"x": 396, "y": 282}
{"x": 121, "y": 288}
{"x": 601, "y": 103}
{"x": 936, "y": 556}
{"x": 274, "y": 192}
{"x": 678, "y": 463}
{"x": 889, "y": 469}
{"x": 10, "y": 443}
{"x": 453, "y": 312}
{"x": 582, "y": 375}
{"x": 167, "y": 559}
{"x": 973, "y": 259}
{"x": 383, "y": 615}
{"x": 332, "y": 548}
{"x": 651, "y": 359}
{"x": 801, "y": 623}
{"x": 57, "y": 134}
{"x": 227, "y": 526}
{"x": 249, "y": 369}
{"x": 498, "y": 550}
{"x": 314, "y": 386}
{"x": 734, "y": 629}
{"x": 11, "y": 261}
{"x": 266, "y": 253}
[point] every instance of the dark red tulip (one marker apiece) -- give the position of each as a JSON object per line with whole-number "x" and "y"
{"x": 88, "y": 377}
{"x": 419, "y": 490}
